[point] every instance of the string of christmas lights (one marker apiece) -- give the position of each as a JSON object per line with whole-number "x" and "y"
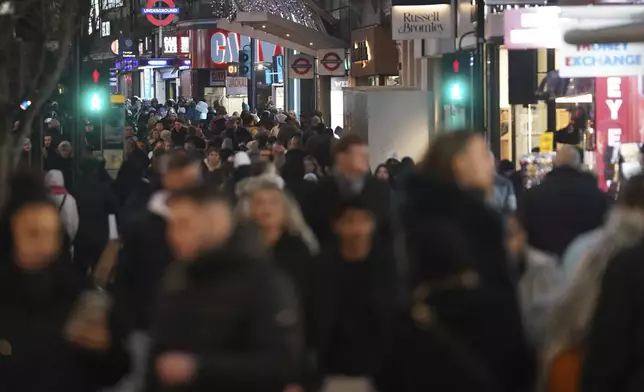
{"x": 294, "y": 10}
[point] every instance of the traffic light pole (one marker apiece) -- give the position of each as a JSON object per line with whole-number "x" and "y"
{"x": 480, "y": 108}
{"x": 252, "y": 99}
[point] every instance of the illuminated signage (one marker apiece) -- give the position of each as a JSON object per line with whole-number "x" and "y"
{"x": 614, "y": 125}
{"x": 601, "y": 59}
{"x": 361, "y": 53}
{"x": 225, "y": 47}
{"x": 170, "y": 45}
{"x": 152, "y": 12}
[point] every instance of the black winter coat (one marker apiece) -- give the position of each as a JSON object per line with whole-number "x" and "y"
{"x": 450, "y": 230}
{"x": 614, "y": 359}
{"x": 34, "y": 355}
{"x": 95, "y": 201}
{"x": 320, "y": 208}
{"x": 355, "y": 305}
{"x": 237, "y": 314}
{"x": 142, "y": 262}
{"x": 566, "y": 204}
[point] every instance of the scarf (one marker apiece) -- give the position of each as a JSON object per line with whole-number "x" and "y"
{"x": 57, "y": 190}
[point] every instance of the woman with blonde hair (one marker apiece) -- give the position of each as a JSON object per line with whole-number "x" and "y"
{"x": 262, "y": 199}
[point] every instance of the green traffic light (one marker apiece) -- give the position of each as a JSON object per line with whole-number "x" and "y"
{"x": 95, "y": 103}
{"x": 455, "y": 92}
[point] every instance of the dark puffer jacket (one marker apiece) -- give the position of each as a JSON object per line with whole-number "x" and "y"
{"x": 34, "y": 355}
{"x": 237, "y": 314}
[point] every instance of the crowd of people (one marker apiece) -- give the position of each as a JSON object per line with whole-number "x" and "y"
{"x": 262, "y": 254}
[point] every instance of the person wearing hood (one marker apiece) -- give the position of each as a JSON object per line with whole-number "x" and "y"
{"x": 39, "y": 351}
{"x": 211, "y": 166}
{"x": 65, "y": 202}
{"x": 464, "y": 330}
{"x": 145, "y": 253}
{"x": 227, "y": 319}
{"x": 95, "y": 201}
{"x": 595, "y": 314}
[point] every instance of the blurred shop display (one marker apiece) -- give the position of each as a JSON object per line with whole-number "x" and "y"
{"x": 535, "y": 166}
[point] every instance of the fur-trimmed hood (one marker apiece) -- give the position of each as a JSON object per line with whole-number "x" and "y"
{"x": 571, "y": 316}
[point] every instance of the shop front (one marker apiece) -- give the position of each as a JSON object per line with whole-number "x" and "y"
{"x": 163, "y": 78}
{"x": 213, "y": 51}
{"x": 596, "y": 88}
{"x": 374, "y": 57}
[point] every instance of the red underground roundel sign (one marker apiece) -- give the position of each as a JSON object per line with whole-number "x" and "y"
{"x": 152, "y": 12}
{"x": 301, "y": 66}
{"x": 331, "y": 61}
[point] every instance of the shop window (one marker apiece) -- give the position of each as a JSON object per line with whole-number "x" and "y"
{"x": 111, "y": 4}
{"x": 94, "y": 19}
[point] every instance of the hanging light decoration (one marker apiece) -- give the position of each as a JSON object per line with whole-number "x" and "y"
{"x": 296, "y": 11}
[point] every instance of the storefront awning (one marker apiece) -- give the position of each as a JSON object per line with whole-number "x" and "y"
{"x": 268, "y": 27}
{"x": 633, "y": 32}
{"x": 271, "y": 28}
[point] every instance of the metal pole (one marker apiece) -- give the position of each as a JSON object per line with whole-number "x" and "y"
{"x": 252, "y": 99}
{"x": 102, "y": 133}
{"x": 286, "y": 85}
{"x": 481, "y": 65}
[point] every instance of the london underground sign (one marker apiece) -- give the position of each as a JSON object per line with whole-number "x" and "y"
{"x": 331, "y": 62}
{"x": 301, "y": 67}
{"x": 152, "y": 12}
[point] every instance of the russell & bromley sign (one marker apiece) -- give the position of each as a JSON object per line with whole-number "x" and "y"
{"x": 421, "y": 22}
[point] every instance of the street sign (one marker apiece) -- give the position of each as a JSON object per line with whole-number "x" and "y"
{"x": 117, "y": 99}
{"x": 151, "y": 11}
{"x": 331, "y": 62}
{"x": 301, "y": 67}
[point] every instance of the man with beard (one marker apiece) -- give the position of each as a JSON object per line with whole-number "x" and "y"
{"x": 227, "y": 319}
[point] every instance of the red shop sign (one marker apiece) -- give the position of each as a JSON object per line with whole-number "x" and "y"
{"x": 613, "y": 120}
{"x": 214, "y": 49}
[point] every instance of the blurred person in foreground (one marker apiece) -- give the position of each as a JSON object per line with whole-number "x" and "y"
{"x": 227, "y": 319}
{"x": 285, "y": 234}
{"x": 596, "y": 320}
{"x": 37, "y": 296}
{"x": 566, "y": 204}
{"x": 356, "y": 301}
{"x": 351, "y": 179}
{"x": 463, "y": 331}
{"x": 145, "y": 253}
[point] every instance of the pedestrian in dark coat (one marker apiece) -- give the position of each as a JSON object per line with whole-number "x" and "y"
{"x": 145, "y": 253}
{"x": 38, "y": 293}
{"x": 356, "y": 299}
{"x": 95, "y": 201}
{"x": 566, "y": 204}
{"x": 464, "y": 324}
{"x": 227, "y": 319}
{"x": 351, "y": 179}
